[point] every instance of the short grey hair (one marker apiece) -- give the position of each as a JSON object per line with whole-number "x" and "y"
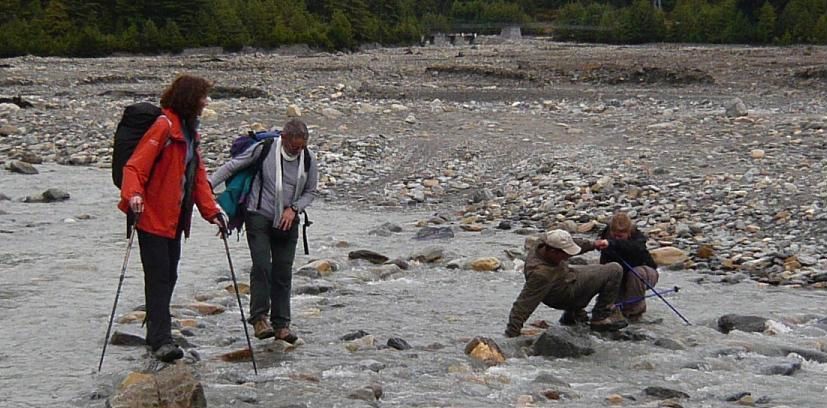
{"x": 295, "y": 128}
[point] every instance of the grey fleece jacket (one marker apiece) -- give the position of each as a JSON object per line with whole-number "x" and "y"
{"x": 290, "y": 171}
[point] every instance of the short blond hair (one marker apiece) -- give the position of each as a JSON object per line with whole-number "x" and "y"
{"x": 620, "y": 222}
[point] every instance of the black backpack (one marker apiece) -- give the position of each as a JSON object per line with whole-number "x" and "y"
{"x": 136, "y": 120}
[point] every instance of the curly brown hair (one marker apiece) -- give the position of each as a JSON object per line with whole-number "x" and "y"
{"x": 184, "y": 94}
{"x": 620, "y": 223}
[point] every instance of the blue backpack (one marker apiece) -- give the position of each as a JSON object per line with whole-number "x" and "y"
{"x": 233, "y": 200}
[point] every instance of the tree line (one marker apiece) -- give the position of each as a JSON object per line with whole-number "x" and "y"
{"x": 89, "y": 28}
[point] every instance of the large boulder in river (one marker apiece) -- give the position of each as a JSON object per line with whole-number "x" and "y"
{"x": 727, "y": 323}
{"x": 668, "y": 256}
{"x": 485, "y": 350}
{"x": 173, "y": 386}
{"x": 562, "y": 342}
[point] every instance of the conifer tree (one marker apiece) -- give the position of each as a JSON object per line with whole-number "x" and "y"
{"x": 765, "y": 29}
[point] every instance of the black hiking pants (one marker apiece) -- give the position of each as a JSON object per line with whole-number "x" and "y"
{"x": 159, "y": 257}
{"x": 272, "y": 252}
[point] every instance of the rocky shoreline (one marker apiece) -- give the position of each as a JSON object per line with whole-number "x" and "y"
{"x": 727, "y": 165}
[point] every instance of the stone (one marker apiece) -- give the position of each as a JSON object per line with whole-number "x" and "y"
{"x": 736, "y": 108}
{"x": 485, "y": 350}
{"x": 355, "y": 335}
{"x": 429, "y": 254}
{"x": 371, "y": 392}
{"x": 757, "y": 153}
{"x": 614, "y": 399}
{"x": 319, "y": 267}
{"x": 729, "y": 322}
{"x": 7, "y": 130}
{"x": 54, "y": 195}
{"x": 363, "y": 343}
{"x": 370, "y": 256}
{"x": 398, "y": 343}
{"x": 782, "y": 368}
{"x": 485, "y": 264}
{"x": 237, "y": 356}
{"x": 665, "y": 393}
{"x": 668, "y": 256}
{"x": 203, "y": 308}
{"x": 410, "y": 119}
{"x": 429, "y": 233}
{"x": 126, "y": 339}
{"x": 293, "y": 111}
{"x": 705, "y": 251}
{"x": 243, "y": 288}
{"x": 174, "y": 386}
{"x": 331, "y": 113}
{"x": 21, "y": 167}
{"x": 132, "y": 317}
{"x": 562, "y": 342}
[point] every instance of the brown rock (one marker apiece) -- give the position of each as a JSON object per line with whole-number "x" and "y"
{"x": 668, "y": 255}
{"x": 614, "y": 399}
{"x": 706, "y": 251}
{"x": 485, "y": 350}
{"x": 471, "y": 227}
{"x": 173, "y": 387}
{"x": 792, "y": 264}
{"x": 132, "y": 317}
{"x": 584, "y": 228}
{"x": 485, "y": 264}
{"x": 243, "y": 288}
{"x": 237, "y": 356}
{"x": 203, "y": 308}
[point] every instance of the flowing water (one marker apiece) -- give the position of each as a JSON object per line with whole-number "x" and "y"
{"x": 59, "y": 271}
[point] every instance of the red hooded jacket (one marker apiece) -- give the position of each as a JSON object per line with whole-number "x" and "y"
{"x": 155, "y": 171}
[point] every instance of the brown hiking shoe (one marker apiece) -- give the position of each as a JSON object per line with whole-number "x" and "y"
{"x": 611, "y": 322}
{"x": 263, "y": 328}
{"x": 573, "y": 317}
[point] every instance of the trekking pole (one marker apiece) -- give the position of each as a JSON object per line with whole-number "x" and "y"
{"x": 645, "y": 282}
{"x": 238, "y": 297}
{"x": 131, "y": 233}
{"x": 639, "y": 298}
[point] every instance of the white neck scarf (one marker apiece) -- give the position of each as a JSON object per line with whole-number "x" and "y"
{"x": 301, "y": 179}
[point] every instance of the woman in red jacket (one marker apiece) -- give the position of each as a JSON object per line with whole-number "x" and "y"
{"x": 162, "y": 180}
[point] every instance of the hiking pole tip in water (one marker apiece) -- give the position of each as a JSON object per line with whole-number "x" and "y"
{"x": 131, "y": 233}
{"x": 223, "y": 232}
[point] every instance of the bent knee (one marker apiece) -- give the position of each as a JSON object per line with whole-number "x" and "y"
{"x": 615, "y": 268}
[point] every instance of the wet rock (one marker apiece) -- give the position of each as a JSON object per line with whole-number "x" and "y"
{"x": 485, "y": 350}
{"x": 485, "y": 264}
{"x": 17, "y": 166}
{"x": 318, "y": 268}
{"x": 781, "y": 368}
{"x": 385, "y": 230}
{"x": 400, "y": 263}
{"x": 615, "y": 399}
{"x": 549, "y": 378}
{"x": 371, "y": 392}
{"x": 731, "y": 322}
{"x": 429, "y": 233}
{"x": 504, "y": 225}
{"x": 237, "y": 356}
{"x": 668, "y": 256}
{"x": 429, "y": 254}
{"x": 353, "y": 336}
{"x": 313, "y": 289}
{"x": 387, "y": 271}
{"x": 243, "y": 288}
{"x": 372, "y": 365}
{"x": 203, "y": 308}
{"x": 398, "y": 343}
{"x": 133, "y": 317}
{"x": 562, "y": 342}
{"x": 362, "y": 343}
{"x": 173, "y": 386}
{"x": 126, "y": 339}
{"x": 370, "y": 256}
{"x": 665, "y": 393}
{"x": 670, "y": 344}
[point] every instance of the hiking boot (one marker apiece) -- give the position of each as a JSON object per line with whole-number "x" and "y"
{"x": 573, "y": 317}
{"x": 285, "y": 335}
{"x": 263, "y": 330}
{"x": 608, "y": 322}
{"x": 168, "y": 352}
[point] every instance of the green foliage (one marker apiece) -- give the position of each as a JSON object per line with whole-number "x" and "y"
{"x": 340, "y": 32}
{"x": 765, "y": 27}
{"x": 639, "y": 23}
{"x": 98, "y": 27}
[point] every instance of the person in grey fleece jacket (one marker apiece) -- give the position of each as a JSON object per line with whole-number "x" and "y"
{"x": 277, "y": 196}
